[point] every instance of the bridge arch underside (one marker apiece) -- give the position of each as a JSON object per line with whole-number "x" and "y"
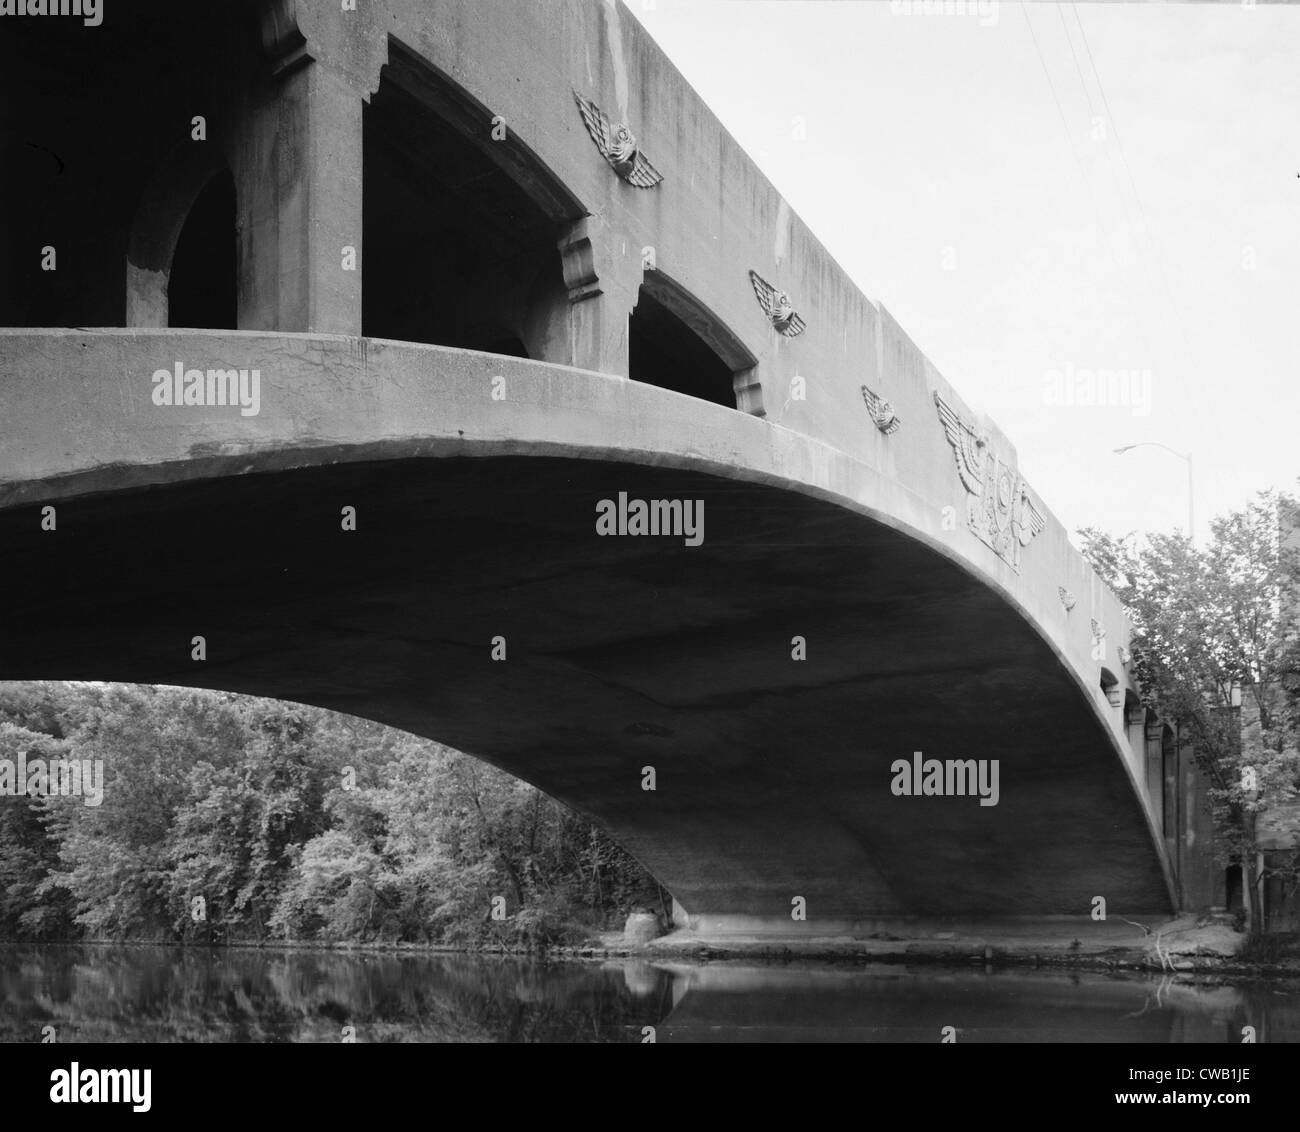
{"x": 773, "y": 775}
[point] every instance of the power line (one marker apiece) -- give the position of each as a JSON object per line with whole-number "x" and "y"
{"x": 1114, "y": 254}
{"x": 1166, "y": 289}
{"x": 1073, "y": 55}
{"x": 1092, "y": 110}
{"x": 1051, "y": 86}
{"x": 1110, "y": 117}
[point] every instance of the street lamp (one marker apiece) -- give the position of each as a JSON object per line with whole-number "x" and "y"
{"x": 1191, "y": 513}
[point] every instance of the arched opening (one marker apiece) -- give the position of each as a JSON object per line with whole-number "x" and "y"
{"x": 461, "y": 221}
{"x": 202, "y": 286}
{"x": 677, "y": 343}
{"x": 407, "y": 647}
{"x": 1110, "y": 685}
{"x": 182, "y": 257}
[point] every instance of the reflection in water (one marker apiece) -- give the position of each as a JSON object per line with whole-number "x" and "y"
{"x": 160, "y": 994}
{"x": 889, "y": 1003}
{"x": 194, "y": 995}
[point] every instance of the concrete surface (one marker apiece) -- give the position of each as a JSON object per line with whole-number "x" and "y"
{"x": 476, "y": 511}
{"x": 476, "y": 519}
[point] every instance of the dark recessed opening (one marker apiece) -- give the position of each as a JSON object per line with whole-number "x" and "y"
{"x": 664, "y": 351}
{"x": 457, "y": 253}
{"x": 1232, "y": 886}
{"x": 202, "y": 289}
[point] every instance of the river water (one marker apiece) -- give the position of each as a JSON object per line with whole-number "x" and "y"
{"x": 160, "y": 994}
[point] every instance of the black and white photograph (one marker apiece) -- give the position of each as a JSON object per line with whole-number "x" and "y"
{"x": 734, "y": 522}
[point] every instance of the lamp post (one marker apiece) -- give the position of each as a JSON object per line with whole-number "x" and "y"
{"x": 1191, "y": 508}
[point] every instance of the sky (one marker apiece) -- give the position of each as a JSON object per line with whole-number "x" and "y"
{"x": 1042, "y": 192}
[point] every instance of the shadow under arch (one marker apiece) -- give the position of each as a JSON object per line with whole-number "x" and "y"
{"x": 477, "y": 521}
{"x": 772, "y": 777}
{"x": 156, "y": 228}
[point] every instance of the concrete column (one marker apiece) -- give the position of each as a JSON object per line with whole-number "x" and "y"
{"x": 1173, "y": 823}
{"x": 1152, "y": 734}
{"x": 597, "y": 336}
{"x": 1200, "y": 878}
{"x": 586, "y": 326}
{"x": 300, "y": 181}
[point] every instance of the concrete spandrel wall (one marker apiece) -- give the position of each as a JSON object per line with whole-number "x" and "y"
{"x": 78, "y": 401}
{"x": 714, "y": 217}
{"x": 82, "y": 427}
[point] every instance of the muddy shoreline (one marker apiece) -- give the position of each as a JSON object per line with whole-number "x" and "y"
{"x": 1184, "y": 951}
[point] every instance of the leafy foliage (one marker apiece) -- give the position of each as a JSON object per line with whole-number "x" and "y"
{"x": 288, "y": 822}
{"x": 1216, "y": 647}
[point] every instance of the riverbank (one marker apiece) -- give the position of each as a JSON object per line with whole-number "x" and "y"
{"x": 1182, "y": 947}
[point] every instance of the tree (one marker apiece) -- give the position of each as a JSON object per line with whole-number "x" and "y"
{"x": 287, "y": 820}
{"x": 1215, "y": 648}
{"x": 115, "y": 862}
{"x": 27, "y": 850}
{"x": 333, "y": 890}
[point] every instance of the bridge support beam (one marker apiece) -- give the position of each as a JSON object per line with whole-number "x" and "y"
{"x": 590, "y": 330}
{"x": 299, "y": 185}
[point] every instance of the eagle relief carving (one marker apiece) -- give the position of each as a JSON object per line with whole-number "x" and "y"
{"x": 618, "y": 146}
{"x": 882, "y": 412}
{"x": 777, "y": 306}
{"x": 999, "y": 509}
